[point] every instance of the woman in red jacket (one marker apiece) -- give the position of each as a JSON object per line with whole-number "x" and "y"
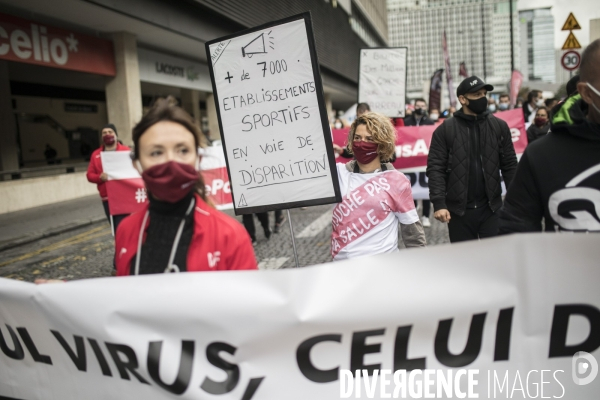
{"x": 96, "y": 174}
{"x": 178, "y": 231}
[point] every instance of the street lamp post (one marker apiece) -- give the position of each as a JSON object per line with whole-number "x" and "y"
{"x": 483, "y": 39}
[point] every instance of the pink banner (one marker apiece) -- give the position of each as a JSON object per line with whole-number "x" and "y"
{"x": 516, "y": 81}
{"x": 412, "y": 142}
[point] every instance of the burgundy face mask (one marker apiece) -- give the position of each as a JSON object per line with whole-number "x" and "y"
{"x": 109, "y": 140}
{"x": 364, "y": 152}
{"x": 540, "y": 121}
{"x": 170, "y": 181}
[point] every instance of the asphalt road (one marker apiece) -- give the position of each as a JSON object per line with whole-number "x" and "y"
{"x": 87, "y": 252}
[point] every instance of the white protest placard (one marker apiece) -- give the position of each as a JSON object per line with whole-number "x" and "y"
{"x": 382, "y": 80}
{"x": 504, "y": 318}
{"x": 272, "y": 117}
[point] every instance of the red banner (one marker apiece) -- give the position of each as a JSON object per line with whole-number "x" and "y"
{"x": 435, "y": 90}
{"x": 216, "y": 179}
{"x": 30, "y": 42}
{"x": 412, "y": 142}
{"x": 126, "y": 196}
{"x": 463, "y": 70}
{"x": 451, "y": 93}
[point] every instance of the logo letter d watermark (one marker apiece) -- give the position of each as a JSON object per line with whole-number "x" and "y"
{"x": 585, "y": 368}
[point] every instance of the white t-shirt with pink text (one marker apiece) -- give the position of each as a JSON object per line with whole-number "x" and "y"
{"x": 366, "y": 221}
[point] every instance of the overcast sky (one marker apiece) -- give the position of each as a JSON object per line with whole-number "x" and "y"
{"x": 584, "y": 10}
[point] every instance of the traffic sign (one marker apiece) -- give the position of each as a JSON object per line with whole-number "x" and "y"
{"x": 570, "y": 60}
{"x": 571, "y": 42}
{"x": 571, "y": 24}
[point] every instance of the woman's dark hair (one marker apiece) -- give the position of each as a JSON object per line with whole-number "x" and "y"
{"x": 545, "y": 109}
{"x": 168, "y": 110}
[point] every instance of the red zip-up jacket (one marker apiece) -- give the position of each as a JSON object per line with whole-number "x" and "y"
{"x": 95, "y": 169}
{"x": 218, "y": 243}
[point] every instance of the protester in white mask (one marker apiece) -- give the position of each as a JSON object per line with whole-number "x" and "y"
{"x": 504, "y": 102}
{"x": 535, "y": 100}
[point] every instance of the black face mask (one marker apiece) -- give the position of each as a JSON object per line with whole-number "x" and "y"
{"x": 478, "y": 106}
{"x": 419, "y": 111}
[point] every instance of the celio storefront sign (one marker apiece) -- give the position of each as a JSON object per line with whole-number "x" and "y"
{"x": 30, "y": 42}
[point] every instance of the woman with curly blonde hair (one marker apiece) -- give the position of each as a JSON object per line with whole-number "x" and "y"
{"x": 375, "y": 196}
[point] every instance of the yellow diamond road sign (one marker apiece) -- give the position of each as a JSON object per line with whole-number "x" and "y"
{"x": 571, "y": 23}
{"x": 571, "y": 42}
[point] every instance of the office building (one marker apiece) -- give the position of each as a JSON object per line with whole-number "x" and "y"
{"x": 478, "y": 34}
{"x": 538, "y": 56}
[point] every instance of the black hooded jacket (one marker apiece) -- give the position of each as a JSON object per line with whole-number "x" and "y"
{"x": 558, "y": 177}
{"x": 466, "y": 155}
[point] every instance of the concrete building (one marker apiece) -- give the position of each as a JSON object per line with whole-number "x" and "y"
{"x": 71, "y": 66}
{"x": 478, "y": 34}
{"x": 538, "y": 57}
{"x": 594, "y": 29}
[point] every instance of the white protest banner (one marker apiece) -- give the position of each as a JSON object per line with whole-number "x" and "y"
{"x": 382, "y": 80}
{"x": 272, "y": 117}
{"x": 504, "y": 316}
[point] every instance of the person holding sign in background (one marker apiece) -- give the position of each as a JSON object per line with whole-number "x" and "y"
{"x": 95, "y": 173}
{"x": 375, "y": 195}
{"x": 178, "y": 231}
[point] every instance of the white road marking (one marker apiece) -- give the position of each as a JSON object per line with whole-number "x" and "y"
{"x": 272, "y": 263}
{"x": 316, "y": 226}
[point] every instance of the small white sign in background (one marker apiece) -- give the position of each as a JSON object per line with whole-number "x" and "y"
{"x": 382, "y": 80}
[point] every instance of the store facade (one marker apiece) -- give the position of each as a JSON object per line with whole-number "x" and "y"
{"x": 35, "y": 58}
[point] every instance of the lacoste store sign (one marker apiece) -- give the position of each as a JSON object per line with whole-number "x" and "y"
{"x": 26, "y": 41}
{"x": 173, "y": 71}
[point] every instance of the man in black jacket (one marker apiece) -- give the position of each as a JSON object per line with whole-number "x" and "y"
{"x": 419, "y": 116}
{"x": 558, "y": 178}
{"x": 466, "y": 156}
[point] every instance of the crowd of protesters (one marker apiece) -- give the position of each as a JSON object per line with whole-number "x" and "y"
{"x": 555, "y": 185}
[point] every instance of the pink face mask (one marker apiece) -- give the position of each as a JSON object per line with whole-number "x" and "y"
{"x": 170, "y": 181}
{"x": 364, "y": 152}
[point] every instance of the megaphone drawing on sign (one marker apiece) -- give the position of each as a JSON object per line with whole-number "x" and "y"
{"x": 256, "y": 46}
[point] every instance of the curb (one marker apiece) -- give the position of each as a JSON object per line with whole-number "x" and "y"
{"x": 32, "y": 237}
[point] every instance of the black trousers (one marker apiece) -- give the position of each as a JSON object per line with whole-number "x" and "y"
{"x": 116, "y": 218}
{"x": 249, "y": 224}
{"x": 476, "y": 223}
{"x": 116, "y": 221}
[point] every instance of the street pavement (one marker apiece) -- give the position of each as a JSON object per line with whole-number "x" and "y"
{"x": 87, "y": 251}
{"x": 29, "y": 225}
